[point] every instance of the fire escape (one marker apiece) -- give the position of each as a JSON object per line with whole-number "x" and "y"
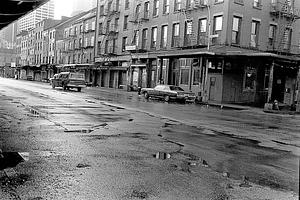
{"x": 137, "y": 20}
{"x": 109, "y": 31}
{"x": 191, "y": 39}
{"x": 286, "y": 15}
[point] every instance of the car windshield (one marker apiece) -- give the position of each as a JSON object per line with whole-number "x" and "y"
{"x": 76, "y": 76}
{"x": 173, "y": 87}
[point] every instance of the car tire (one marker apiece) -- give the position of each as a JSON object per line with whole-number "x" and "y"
{"x": 53, "y": 86}
{"x": 167, "y": 98}
{"x": 79, "y": 89}
{"x": 146, "y": 95}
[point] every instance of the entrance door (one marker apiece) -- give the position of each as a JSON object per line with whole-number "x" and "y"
{"x": 103, "y": 78}
{"x": 111, "y": 79}
{"x": 212, "y": 88}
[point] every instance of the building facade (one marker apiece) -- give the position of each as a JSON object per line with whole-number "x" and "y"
{"x": 224, "y": 51}
{"x": 227, "y": 51}
{"x": 29, "y": 21}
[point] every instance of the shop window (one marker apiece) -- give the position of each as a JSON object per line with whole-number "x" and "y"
{"x": 215, "y": 66}
{"x": 184, "y": 75}
{"x": 249, "y": 78}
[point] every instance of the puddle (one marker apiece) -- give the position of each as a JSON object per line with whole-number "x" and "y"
{"x": 33, "y": 112}
{"x": 83, "y": 165}
{"x": 79, "y": 130}
{"x": 162, "y": 155}
{"x": 10, "y": 159}
{"x": 139, "y": 194}
{"x": 273, "y": 127}
{"x": 101, "y": 137}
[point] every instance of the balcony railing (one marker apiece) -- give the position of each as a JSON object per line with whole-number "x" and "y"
{"x": 283, "y": 8}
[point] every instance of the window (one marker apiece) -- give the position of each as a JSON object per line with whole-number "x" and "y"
{"x": 155, "y": 7}
{"x": 125, "y": 24}
{"x": 202, "y": 25}
{"x": 287, "y": 38}
{"x": 106, "y": 46}
{"x": 75, "y": 30}
{"x": 218, "y": 22}
{"x": 117, "y": 5}
{"x": 164, "y": 36}
{"x": 107, "y": 26}
{"x": 85, "y": 42}
{"x": 116, "y": 24}
{"x": 272, "y": 34}
{"x": 153, "y": 37}
{"x": 86, "y": 27}
{"x": 124, "y": 43}
{"x": 81, "y": 28}
{"x": 189, "y": 27}
{"x": 137, "y": 10}
{"x": 92, "y": 41}
{"x": 236, "y": 29}
{"x": 202, "y": 36}
{"x": 166, "y": 6}
{"x": 126, "y": 4}
{"x": 100, "y": 28}
{"x": 146, "y": 10}
{"x": 177, "y": 5}
{"x": 99, "y": 47}
{"x": 254, "y": 33}
{"x": 189, "y": 4}
{"x": 184, "y": 75}
{"x": 93, "y": 26}
{"x": 144, "y": 38}
{"x": 109, "y": 6}
{"x": 135, "y": 40}
{"x": 101, "y": 10}
{"x": 188, "y": 32}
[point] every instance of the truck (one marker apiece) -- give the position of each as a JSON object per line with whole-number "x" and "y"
{"x": 68, "y": 80}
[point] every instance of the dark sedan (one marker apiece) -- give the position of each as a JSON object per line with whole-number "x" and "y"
{"x": 168, "y": 92}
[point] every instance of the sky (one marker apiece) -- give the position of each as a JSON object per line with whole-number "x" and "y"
{"x": 62, "y": 8}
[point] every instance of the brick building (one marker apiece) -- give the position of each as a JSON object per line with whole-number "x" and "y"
{"x": 226, "y": 51}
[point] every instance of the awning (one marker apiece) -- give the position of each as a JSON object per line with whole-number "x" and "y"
{"x": 222, "y": 50}
{"x": 75, "y": 66}
{"x": 110, "y": 68}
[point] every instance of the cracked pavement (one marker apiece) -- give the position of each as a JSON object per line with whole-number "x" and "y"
{"x": 100, "y": 145}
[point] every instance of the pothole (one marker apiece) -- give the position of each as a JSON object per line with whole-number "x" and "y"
{"x": 139, "y": 194}
{"x": 83, "y": 165}
{"x": 87, "y": 130}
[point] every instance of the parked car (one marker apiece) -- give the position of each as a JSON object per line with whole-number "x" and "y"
{"x": 68, "y": 80}
{"x": 169, "y": 92}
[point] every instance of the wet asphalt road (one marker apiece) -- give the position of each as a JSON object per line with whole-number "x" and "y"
{"x": 74, "y": 138}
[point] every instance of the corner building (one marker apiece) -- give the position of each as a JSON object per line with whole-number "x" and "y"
{"x": 228, "y": 51}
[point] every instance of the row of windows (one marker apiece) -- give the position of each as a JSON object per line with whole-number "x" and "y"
{"x": 202, "y": 36}
{"x": 78, "y": 44}
{"x": 74, "y": 31}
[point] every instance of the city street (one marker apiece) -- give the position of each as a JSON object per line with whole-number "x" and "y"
{"x": 113, "y": 144}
